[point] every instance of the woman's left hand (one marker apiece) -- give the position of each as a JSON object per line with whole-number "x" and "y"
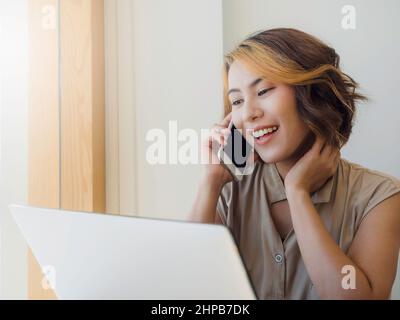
{"x": 313, "y": 169}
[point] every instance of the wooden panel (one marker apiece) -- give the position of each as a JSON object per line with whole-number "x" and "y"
{"x": 82, "y": 101}
{"x": 66, "y": 141}
{"x": 43, "y": 177}
{"x": 98, "y": 106}
{"x": 111, "y": 106}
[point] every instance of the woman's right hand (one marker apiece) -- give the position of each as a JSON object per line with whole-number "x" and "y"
{"x": 214, "y": 171}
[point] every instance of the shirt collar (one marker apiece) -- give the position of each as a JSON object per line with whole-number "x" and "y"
{"x": 276, "y": 189}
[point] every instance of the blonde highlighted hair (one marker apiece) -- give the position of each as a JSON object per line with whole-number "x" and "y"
{"x": 325, "y": 96}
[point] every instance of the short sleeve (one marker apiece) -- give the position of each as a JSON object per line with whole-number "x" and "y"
{"x": 384, "y": 188}
{"x": 224, "y": 202}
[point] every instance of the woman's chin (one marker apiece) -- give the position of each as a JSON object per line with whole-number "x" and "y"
{"x": 270, "y": 158}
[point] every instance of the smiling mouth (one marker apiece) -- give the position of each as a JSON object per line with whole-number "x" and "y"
{"x": 263, "y": 132}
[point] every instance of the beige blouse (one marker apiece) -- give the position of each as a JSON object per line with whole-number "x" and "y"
{"x": 276, "y": 268}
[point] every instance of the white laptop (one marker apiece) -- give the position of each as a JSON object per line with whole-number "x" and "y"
{"x": 99, "y": 256}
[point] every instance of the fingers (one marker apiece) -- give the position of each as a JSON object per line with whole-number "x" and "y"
{"x": 318, "y": 144}
{"x": 227, "y": 120}
{"x": 337, "y": 157}
{"x": 323, "y": 148}
{"x": 220, "y": 134}
{"x": 220, "y": 131}
{"x": 331, "y": 157}
{"x": 329, "y": 154}
{"x": 329, "y": 151}
{"x": 216, "y": 137}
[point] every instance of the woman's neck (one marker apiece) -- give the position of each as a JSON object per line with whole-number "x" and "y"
{"x": 284, "y": 167}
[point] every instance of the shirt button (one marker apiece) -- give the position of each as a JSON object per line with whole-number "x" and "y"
{"x": 278, "y": 258}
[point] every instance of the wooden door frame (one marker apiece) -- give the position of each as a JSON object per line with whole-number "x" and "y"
{"x": 66, "y": 112}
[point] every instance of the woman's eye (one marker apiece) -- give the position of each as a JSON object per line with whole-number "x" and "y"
{"x": 236, "y": 102}
{"x": 264, "y": 91}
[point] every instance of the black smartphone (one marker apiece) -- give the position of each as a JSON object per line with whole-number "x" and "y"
{"x": 237, "y": 155}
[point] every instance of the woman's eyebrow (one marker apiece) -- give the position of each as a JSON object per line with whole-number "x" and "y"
{"x": 255, "y": 82}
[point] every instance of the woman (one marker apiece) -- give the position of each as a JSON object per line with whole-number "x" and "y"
{"x": 309, "y": 224}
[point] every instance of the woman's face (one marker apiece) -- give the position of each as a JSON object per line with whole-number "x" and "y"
{"x": 260, "y": 104}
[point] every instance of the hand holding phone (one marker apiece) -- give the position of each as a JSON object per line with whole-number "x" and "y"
{"x": 215, "y": 171}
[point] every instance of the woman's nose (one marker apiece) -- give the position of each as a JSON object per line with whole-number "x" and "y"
{"x": 251, "y": 112}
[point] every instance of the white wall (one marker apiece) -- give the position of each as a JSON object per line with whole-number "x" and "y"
{"x": 177, "y": 61}
{"x": 370, "y": 54}
{"x": 13, "y": 145}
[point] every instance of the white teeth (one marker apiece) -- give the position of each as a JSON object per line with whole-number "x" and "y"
{"x": 260, "y": 133}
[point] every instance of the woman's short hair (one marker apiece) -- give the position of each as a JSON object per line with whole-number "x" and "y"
{"x": 325, "y": 95}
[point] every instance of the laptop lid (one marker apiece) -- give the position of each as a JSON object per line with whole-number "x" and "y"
{"x": 101, "y": 256}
